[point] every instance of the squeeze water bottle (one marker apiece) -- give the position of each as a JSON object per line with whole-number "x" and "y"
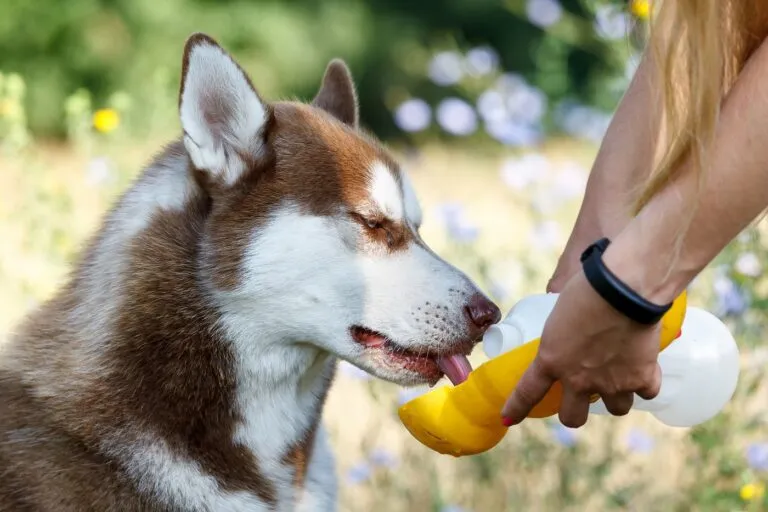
{"x": 698, "y": 357}
{"x": 699, "y": 370}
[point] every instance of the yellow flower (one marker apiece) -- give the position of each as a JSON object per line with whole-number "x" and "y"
{"x": 751, "y": 492}
{"x": 105, "y": 120}
{"x": 641, "y": 8}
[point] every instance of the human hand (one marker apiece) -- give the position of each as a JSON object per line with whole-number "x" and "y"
{"x": 592, "y": 350}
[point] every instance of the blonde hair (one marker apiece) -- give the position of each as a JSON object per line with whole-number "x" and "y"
{"x": 699, "y": 47}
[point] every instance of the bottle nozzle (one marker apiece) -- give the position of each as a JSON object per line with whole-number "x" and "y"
{"x": 501, "y": 338}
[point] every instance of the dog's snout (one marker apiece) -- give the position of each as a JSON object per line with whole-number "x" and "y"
{"x": 482, "y": 313}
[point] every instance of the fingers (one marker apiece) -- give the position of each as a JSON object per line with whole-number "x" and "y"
{"x": 532, "y": 387}
{"x": 574, "y": 408}
{"x": 653, "y": 386}
{"x": 619, "y": 404}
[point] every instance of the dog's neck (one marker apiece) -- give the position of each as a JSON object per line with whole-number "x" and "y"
{"x": 135, "y": 351}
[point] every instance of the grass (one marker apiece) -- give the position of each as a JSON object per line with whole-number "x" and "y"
{"x": 52, "y": 198}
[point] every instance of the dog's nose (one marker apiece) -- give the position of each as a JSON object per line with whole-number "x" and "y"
{"x": 483, "y": 313}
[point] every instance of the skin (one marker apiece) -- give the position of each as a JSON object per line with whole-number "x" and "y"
{"x": 588, "y": 346}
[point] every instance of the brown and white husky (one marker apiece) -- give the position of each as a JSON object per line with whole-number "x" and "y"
{"x": 185, "y": 363}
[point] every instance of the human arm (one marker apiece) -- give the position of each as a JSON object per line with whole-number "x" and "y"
{"x": 622, "y": 164}
{"x": 589, "y": 347}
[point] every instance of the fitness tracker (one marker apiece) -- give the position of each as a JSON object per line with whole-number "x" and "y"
{"x": 616, "y": 293}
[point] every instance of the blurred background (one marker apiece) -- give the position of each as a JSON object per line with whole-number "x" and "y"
{"x": 496, "y": 107}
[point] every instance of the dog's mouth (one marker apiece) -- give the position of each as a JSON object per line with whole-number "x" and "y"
{"x": 428, "y": 362}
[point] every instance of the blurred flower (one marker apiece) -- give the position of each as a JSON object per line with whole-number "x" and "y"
{"x": 413, "y": 115}
{"x": 456, "y": 116}
{"x": 382, "y": 458}
{"x": 757, "y": 456}
{"x": 453, "y": 508}
{"x": 513, "y": 133}
{"x": 106, "y": 120}
{"x": 519, "y": 173}
{"x": 353, "y": 371}
{"x": 481, "y": 60}
{"x": 748, "y": 264}
{"x": 408, "y": 394}
{"x": 571, "y": 181}
{"x": 527, "y": 103}
{"x": 100, "y": 171}
{"x": 611, "y": 22}
{"x": 564, "y": 435}
{"x": 641, "y": 9}
{"x": 445, "y": 68}
{"x": 545, "y": 236}
{"x": 639, "y": 441}
{"x": 359, "y": 473}
{"x": 731, "y": 299}
{"x": 754, "y": 491}
{"x": 583, "y": 122}
{"x": 491, "y": 105}
{"x": 544, "y": 13}
{"x": 459, "y": 227}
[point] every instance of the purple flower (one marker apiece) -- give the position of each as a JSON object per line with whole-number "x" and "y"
{"x": 458, "y": 225}
{"x": 564, "y": 435}
{"x": 544, "y": 13}
{"x": 640, "y": 442}
{"x": 382, "y": 458}
{"x": 353, "y": 371}
{"x": 482, "y": 60}
{"x": 413, "y": 115}
{"x": 731, "y": 300}
{"x": 520, "y": 173}
{"x": 453, "y": 508}
{"x": 583, "y": 122}
{"x": 445, "y": 68}
{"x": 359, "y": 473}
{"x": 757, "y": 456}
{"x": 456, "y": 116}
{"x": 512, "y": 133}
{"x": 611, "y": 22}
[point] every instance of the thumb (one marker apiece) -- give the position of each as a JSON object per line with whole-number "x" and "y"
{"x": 532, "y": 387}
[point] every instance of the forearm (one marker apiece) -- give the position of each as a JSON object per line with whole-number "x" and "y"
{"x": 624, "y": 160}
{"x": 734, "y": 193}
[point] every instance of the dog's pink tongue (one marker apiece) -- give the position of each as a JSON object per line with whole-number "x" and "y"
{"x": 456, "y": 368}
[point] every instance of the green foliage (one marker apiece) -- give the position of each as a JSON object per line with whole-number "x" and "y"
{"x": 104, "y": 46}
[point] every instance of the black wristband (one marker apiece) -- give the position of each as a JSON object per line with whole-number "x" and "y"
{"x": 616, "y": 293}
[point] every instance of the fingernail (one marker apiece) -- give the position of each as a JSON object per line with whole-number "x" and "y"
{"x": 508, "y": 422}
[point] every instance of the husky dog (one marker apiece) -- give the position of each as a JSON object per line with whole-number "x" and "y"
{"x": 184, "y": 364}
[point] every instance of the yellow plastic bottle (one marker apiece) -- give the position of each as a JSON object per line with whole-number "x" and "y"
{"x": 466, "y": 419}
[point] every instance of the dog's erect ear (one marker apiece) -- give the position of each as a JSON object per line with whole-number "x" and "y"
{"x": 222, "y": 116}
{"x": 337, "y": 94}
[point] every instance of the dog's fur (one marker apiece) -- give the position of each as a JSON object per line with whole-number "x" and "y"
{"x": 185, "y": 363}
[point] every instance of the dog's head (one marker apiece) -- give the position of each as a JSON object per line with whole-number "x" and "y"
{"x": 314, "y": 228}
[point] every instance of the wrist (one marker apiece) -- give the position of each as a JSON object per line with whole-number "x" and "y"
{"x": 653, "y": 272}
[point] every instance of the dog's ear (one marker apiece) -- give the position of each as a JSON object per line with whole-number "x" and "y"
{"x": 337, "y": 94}
{"x": 223, "y": 118}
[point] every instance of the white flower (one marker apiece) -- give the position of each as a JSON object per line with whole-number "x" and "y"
{"x": 544, "y": 13}
{"x": 413, "y": 115}
{"x": 446, "y": 68}
{"x": 456, "y": 116}
{"x": 748, "y": 264}
{"x": 570, "y": 182}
